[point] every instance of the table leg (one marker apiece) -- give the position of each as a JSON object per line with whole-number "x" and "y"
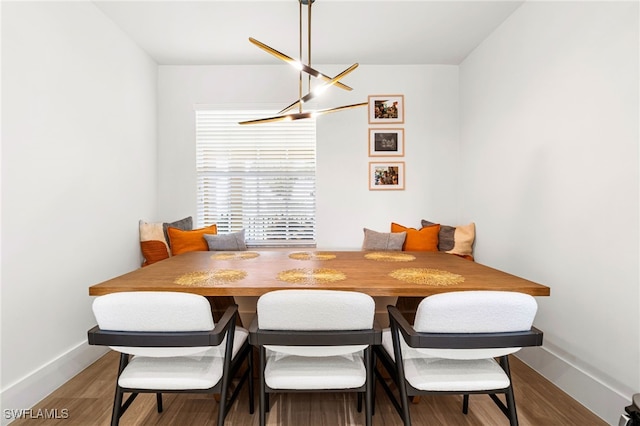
{"x": 382, "y": 316}
{"x": 246, "y": 308}
{"x": 219, "y": 305}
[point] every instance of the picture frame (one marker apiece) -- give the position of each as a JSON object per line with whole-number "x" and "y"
{"x": 385, "y": 109}
{"x": 386, "y": 176}
{"x": 386, "y": 142}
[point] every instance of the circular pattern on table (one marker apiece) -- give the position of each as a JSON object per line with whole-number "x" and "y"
{"x": 309, "y": 255}
{"x": 388, "y": 256}
{"x": 434, "y": 277}
{"x": 210, "y": 277}
{"x": 311, "y": 276}
{"x": 235, "y": 255}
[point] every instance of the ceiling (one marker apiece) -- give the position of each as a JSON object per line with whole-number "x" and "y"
{"x": 216, "y": 32}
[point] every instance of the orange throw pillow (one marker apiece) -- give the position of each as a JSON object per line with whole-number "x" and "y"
{"x": 186, "y": 241}
{"x": 425, "y": 239}
{"x": 153, "y": 251}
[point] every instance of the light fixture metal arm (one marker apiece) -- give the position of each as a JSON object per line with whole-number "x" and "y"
{"x": 296, "y": 64}
{"x": 309, "y": 96}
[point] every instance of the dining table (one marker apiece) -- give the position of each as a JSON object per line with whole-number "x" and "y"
{"x": 384, "y": 275}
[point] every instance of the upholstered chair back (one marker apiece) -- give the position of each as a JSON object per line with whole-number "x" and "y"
{"x": 148, "y": 311}
{"x": 475, "y": 312}
{"x": 315, "y": 310}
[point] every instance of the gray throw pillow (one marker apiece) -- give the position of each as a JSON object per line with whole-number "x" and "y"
{"x": 383, "y": 240}
{"x": 185, "y": 224}
{"x": 233, "y": 241}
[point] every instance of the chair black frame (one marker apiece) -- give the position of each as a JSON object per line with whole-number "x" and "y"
{"x": 414, "y": 339}
{"x": 371, "y": 337}
{"x": 214, "y": 337}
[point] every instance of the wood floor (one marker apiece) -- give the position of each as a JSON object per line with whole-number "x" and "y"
{"x": 88, "y": 399}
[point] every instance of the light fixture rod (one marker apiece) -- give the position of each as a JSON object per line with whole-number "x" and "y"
{"x": 309, "y": 42}
{"x": 300, "y": 57}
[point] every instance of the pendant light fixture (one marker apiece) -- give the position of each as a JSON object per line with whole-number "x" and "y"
{"x": 327, "y": 81}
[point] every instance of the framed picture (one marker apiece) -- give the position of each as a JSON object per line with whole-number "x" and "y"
{"x": 386, "y": 142}
{"x": 386, "y": 176}
{"x": 386, "y": 109}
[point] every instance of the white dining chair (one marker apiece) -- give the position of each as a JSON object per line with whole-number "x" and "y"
{"x": 453, "y": 345}
{"x": 315, "y": 341}
{"x": 168, "y": 343}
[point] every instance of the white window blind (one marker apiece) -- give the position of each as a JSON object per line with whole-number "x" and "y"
{"x": 260, "y": 178}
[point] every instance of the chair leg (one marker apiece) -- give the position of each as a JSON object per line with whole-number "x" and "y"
{"x": 226, "y": 375}
{"x": 374, "y": 361}
{"x": 117, "y": 399}
{"x": 465, "y": 403}
{"x": 263, "y": 402}
{"x": 250, "y": 361}
{"x": 404, "y": 400}
{"x": 511, "y": 400}
{"x": 511, "y": 405}
{"x": 369, "y": 387}
{"x": 222, "y": 407}
{"x": 359, "y": 402}
{"x": 117, "y": 404}
{"x": 159, "y": 402}
{"x": 402, "y": 385}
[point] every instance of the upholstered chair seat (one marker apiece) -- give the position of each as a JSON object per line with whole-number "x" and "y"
{"x": 284, "y": 371}
{"x": 441, "y": 374}
{"x": 198, "y": 371}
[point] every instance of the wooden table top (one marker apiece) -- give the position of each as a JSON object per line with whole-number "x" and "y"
{"x": 254, "y": 273}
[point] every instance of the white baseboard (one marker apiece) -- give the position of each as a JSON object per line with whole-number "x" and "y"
{"x": 604, "y": 401}
{"x": 33, "y": 388}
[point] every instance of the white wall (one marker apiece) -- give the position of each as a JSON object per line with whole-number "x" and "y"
{"x": 344, "y": 203}
{"x": 549, "y": 142}
{"x": 78, "y": 171}
{"x": 544, "y": 159}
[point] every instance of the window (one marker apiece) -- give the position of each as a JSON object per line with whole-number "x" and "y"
{"x": 260, "y": 178}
